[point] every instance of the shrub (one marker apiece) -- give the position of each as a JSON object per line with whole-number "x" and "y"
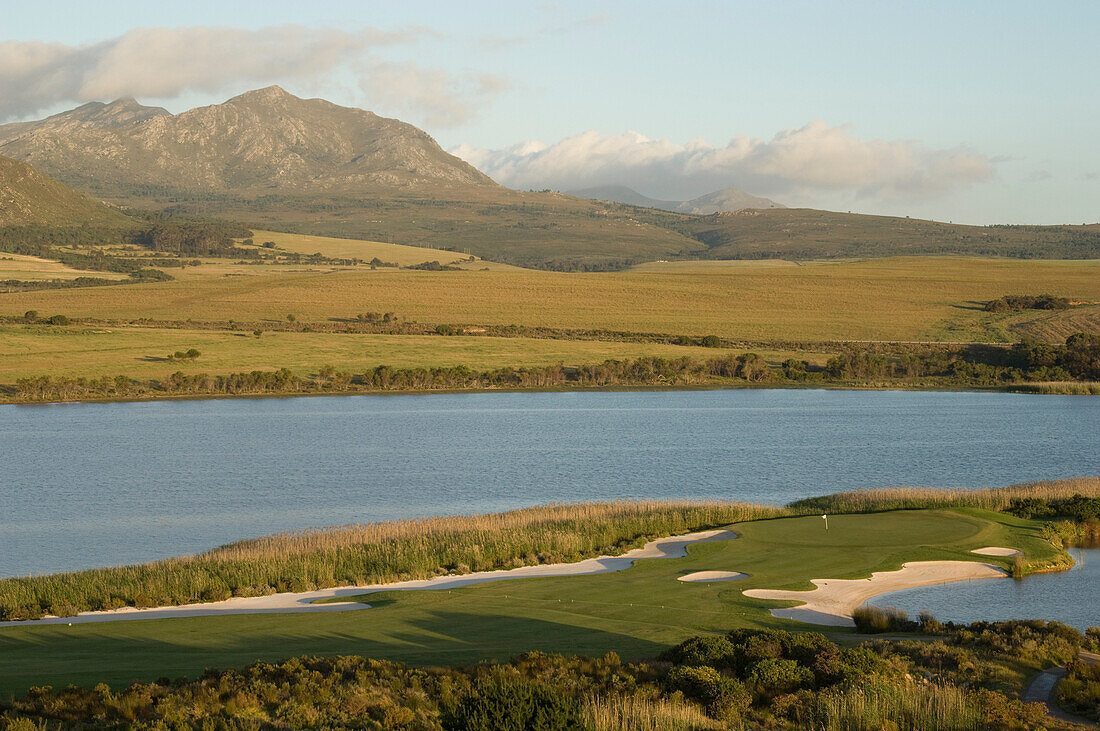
{"x": 514, "y": 705}
{"x": 774, "y": 677}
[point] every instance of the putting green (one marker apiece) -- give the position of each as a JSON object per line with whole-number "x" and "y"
{"x": 636, "y": 612}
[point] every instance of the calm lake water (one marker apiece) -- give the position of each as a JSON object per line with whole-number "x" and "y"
{"x": 1071, "y": 596}
{"x": 87, "y": 485}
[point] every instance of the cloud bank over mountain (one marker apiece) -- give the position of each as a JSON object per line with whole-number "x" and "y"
{"x": 816, "y": 159}
{"x": 165, "y": 63}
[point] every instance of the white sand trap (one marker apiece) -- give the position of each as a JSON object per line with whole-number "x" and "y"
{"x": 713, "y": 576}
{"x": 997, "y": 551}
{"x": 672, "y": 547}
{"x": 834, "y": 600}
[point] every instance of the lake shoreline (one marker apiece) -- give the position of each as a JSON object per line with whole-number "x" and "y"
{"x": 624, "y": 388}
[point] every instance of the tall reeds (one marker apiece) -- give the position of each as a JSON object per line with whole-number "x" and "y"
{"x": 636, "y": 712}
{"x": 877, "y": 705}
{"x": 914, "y": 498}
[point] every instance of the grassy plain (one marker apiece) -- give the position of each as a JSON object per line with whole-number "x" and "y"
{"x": 636, "y": 613}
{"x": 32, "y": 350}
{"x": 920, "y": 298}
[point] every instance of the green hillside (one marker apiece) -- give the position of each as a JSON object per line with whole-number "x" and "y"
{"x": 27, "y": 197}
{"x": 804, "y": 233}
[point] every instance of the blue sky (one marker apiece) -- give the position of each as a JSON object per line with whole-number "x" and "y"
{"x": 968, "y": 111}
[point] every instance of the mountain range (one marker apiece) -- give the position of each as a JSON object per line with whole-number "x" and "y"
{"x": 270, "y": 160}
{"x": 727, "y": 200}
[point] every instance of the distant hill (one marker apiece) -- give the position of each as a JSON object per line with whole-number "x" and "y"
{"x": 805, "y": 233}
{"x": 27, "y": 197}
{"x": 727, "y": 200}
{"x": 623, "y": 194}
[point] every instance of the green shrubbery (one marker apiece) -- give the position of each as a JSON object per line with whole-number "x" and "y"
{"x": 1019, "y": 302}
{"x": 750, "y": 679}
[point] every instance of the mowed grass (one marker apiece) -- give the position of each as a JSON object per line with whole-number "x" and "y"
{"x": 34, "y": 350}
{"x": 360, "y": 249}
{"x": 918, "y": 298}
{"x": 32, "y": 268}
{"x": 636, "y": 613}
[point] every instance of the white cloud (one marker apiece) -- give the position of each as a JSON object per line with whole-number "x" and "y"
{"x": 165, "y": 63}
{"x": 437, "y": 98}
{"x": 810, "y": 160}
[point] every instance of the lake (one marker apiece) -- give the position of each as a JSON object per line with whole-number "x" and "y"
{"x": 88, "y": 485}
{"x": 1072, "y": 597}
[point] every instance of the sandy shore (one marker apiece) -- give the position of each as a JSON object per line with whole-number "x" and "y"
{"x": 833, "y": 601}
{"x": 672, "y": 547}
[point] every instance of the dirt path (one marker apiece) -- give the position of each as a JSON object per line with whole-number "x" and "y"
{"x": 1041, "y": 690}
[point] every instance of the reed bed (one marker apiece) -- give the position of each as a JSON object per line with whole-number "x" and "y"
{"x": 643, "y": 713}
{"x": 1069, "y": 388}
{"x": 372, "y": 554}
{"x": 914, "y": 498}
{"x": 911, "y": 707}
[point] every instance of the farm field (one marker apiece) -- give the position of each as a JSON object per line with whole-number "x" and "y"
{"x": 636, "y": 612}
{"x": 400, "y": 254}
{"x": 899, "y": 299}
{"x": 33, "y": 350}
{"x": 28, "y": 268}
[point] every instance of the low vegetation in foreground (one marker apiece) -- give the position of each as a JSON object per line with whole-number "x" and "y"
{"x": 744, "y": 679}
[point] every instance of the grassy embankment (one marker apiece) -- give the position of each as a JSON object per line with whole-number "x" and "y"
{"x": 635, "y": 612}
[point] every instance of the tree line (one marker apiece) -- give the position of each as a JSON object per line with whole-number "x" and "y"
{"x": 1079, "y": 358}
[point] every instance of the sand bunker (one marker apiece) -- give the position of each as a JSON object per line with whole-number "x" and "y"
{"x": 672, "y": 547}
{"x": 713, "y": 576}
{"x": 997, "y": 551}
{"x": 834, "y": 600}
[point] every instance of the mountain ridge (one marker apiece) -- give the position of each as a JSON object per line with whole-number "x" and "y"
{"x": 727, "y": 200}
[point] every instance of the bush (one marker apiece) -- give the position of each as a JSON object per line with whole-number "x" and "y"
{"x": 514, "y": 705}
{"x": 775, "y": 677}
{"x": 58, "y": 320}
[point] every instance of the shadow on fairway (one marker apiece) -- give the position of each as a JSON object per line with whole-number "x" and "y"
{"x": 122, "y": 652}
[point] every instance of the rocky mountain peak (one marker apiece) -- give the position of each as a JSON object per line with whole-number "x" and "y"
{"x": 262, "y": 140}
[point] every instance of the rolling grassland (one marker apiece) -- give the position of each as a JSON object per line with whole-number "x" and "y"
{"x": 902, "y": 299}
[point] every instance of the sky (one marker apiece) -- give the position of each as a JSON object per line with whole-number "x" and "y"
{"x": 973, "y": 112}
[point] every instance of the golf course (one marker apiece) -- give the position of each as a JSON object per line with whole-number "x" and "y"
{"x": 634, "y": 613}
